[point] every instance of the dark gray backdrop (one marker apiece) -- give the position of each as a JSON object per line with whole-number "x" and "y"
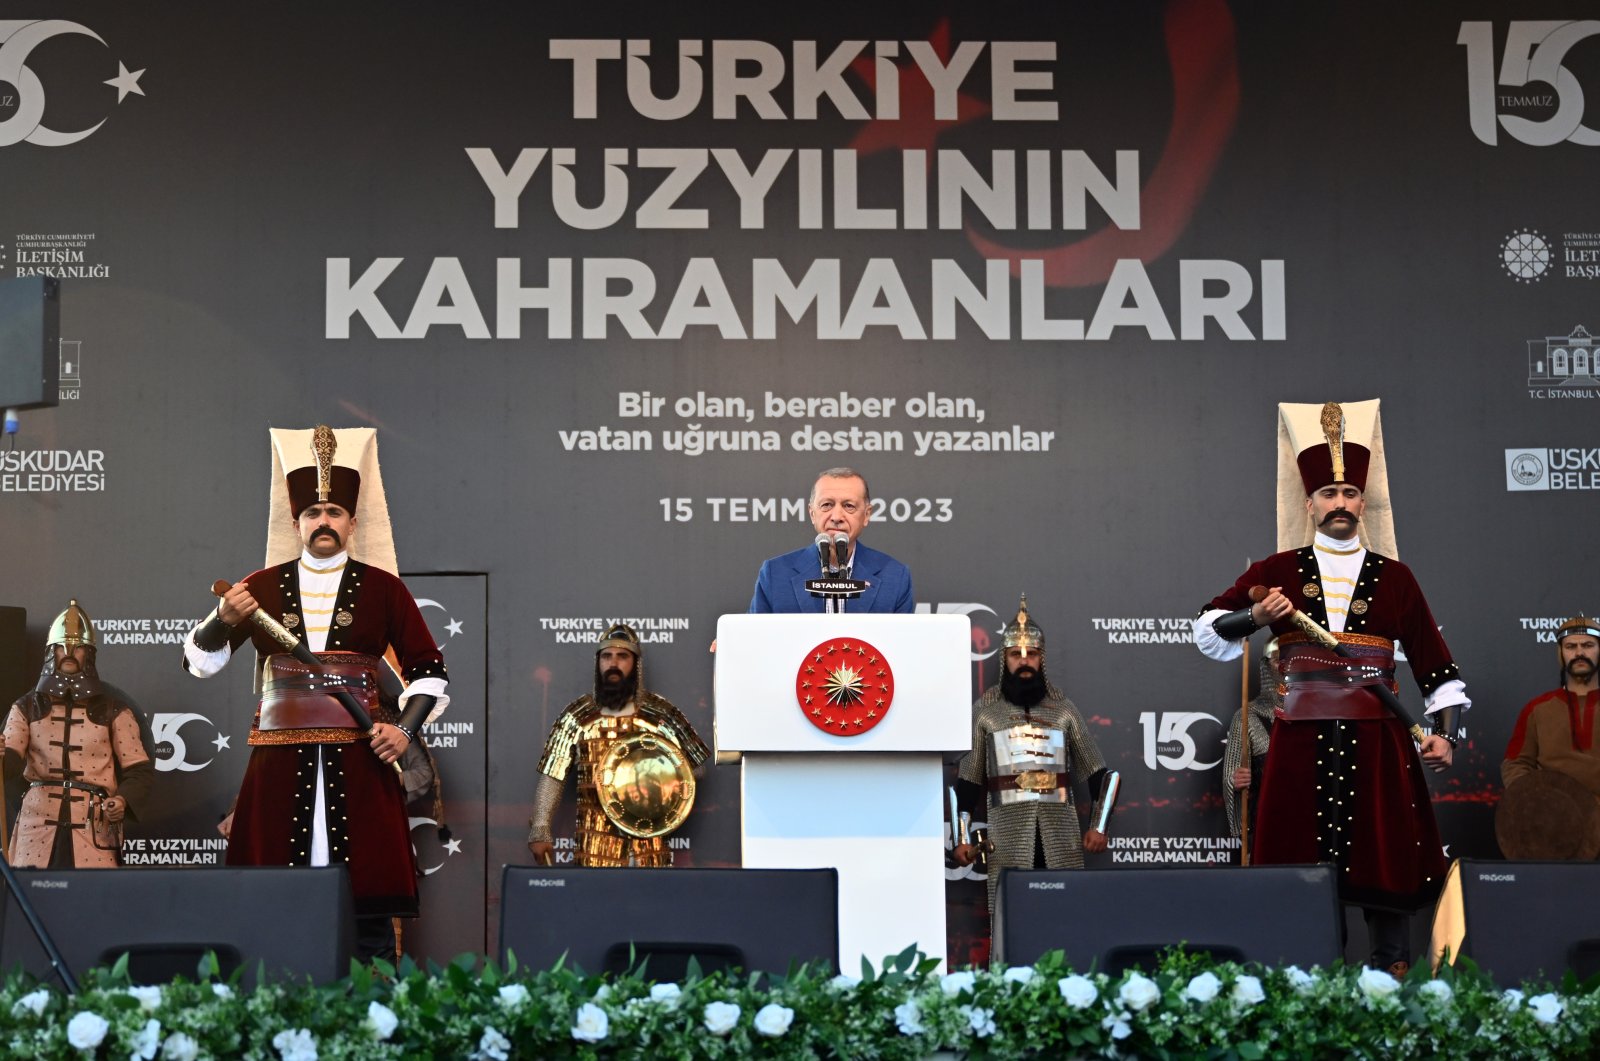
{"x": 198, "y": 227}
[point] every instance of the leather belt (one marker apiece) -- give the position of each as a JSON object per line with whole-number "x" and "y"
{"x": 294, "y": 698}
{"x": 1030, "y": 781}
{"x": 80, "y": 786}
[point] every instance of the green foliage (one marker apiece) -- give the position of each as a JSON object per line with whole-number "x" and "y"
{"x": 1188, "y": 1007}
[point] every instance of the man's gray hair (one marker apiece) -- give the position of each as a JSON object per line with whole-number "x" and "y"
{"x": 839, "y": 473}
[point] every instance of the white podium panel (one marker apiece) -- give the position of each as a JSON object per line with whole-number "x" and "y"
{"x": 870, "y": 805}
{"x": 759, "y": 655}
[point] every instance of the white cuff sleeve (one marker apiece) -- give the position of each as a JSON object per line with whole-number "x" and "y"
{"x": 1211, "y": 643}
{"x": 1449, "y": 694}
{"x": 203, "y": 664}
{"x": 433, "y": 687}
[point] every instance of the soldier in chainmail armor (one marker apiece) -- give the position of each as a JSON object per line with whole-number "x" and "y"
{"x": 1238, "y": 775}
{"x": 622, "y": 821}
{"x": 1030, "y": 746}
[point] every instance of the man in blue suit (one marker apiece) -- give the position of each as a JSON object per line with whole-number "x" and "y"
{"x": 840, "y": 503}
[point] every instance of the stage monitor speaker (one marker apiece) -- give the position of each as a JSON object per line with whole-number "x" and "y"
{"x": 752, "y": 919}
{"x": 297, "y": 921}
{"x": 1115, "y": 919}
{"x": 16, "y": 677}
{"x": 30, "y": 342}
{"x": 1521, "y": 920}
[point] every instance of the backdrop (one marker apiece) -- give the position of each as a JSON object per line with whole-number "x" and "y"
{"x": 614, "y": 281}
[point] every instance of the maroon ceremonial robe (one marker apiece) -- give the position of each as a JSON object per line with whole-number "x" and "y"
{"x": 366, "y": 816}
{"x": 1348, "y": 787}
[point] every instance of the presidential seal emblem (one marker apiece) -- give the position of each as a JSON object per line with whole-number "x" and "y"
{"x": 844, "y": 686}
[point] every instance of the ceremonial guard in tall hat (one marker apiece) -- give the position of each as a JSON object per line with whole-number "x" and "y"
{"x": 83, "y": 751}
{"x": 319, "y": 789}
{"x": 636, "y": 756}
{"x": 1030, "y": 746}
{"x": 1342, "y": 782}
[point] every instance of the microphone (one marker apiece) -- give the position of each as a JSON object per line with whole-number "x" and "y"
{"x": 841, "y": 552}
{"x": 825, "y": 552}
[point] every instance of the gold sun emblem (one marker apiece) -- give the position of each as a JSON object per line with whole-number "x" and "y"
{"x": 844, "y": 686}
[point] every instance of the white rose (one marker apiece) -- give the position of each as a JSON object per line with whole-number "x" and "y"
{"x": 1020, "y": 974}
{"x": 1376, "y": 984}
{"x": 591, "y": 1023}
{"x": 1117, "y": 1024}
{"x": 979, "y": 1021}
{"x": 908, "y": 1018}
{"x": 1299, "y": 979}
{"x": 149, "y": 997}
{"x": 603, "y": 993}
{"x": 1203, "y": 988}
{"x": 1546, "y": 1008}
{"x": 147, "y": 1041}
{"x": 1079, "y": 991}
{"x": 33, "y": 1002}
{"x": 772, "y": 1020}
{"x": 512, "y": 996}
{"x": 493, "y": 1045}
{"x": 1511, "y": 998}
{"x": 222, "y": 991}
{"x": 179, "y": 1047}
{"x": 844, "y": 982}
{"x": 296, "y": 1045}
{"x": 1247, "y": 991}
{"x": 1437, "y": 991}
{"x": 86, "y": 1030}
{"x": 952, "y": 984}
{"x": 721, "y": 1017}
{"x": 666, "y": 994}
{"x": 381, "y": 1021}
{"x": 1139, "y": 992}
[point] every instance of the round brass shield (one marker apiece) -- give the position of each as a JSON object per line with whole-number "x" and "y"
{"x": 1548, "y": 816}
{"x": 645, "y": 785}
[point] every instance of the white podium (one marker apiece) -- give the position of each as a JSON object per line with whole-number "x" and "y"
{"x": 871, "y": 802}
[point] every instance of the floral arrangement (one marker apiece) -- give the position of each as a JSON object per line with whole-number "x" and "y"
{"x": 1189, "y": 1007}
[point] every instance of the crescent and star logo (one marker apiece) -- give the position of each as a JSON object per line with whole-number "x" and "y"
{"x": 449, "y": 847}
{"x": 167, "y": 730}
{"x": 453, "y": 627}
{"x": 26, "y": 124}
{"x": 844, "y": 686}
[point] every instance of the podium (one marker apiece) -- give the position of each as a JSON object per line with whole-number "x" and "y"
{"x": 840, "y": 782}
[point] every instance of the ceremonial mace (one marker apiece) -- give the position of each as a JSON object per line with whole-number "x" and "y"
{"x": 302, "y": 652}
{"x": 1381, "y": 690}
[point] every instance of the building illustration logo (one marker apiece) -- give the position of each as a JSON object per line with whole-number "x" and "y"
{"x": 1564, "y": 366}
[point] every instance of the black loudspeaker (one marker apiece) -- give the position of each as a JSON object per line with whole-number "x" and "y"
{"x": 299, "y": 922}
{"x": 1114, "y": 919}
{"x": 751, "y": 919}
{"x": 1521, "y": 920}
{"x": 16, "y": 677}
{"x": 30, "y": 342}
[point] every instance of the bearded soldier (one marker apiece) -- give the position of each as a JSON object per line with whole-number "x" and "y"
{"x": 636, "y": 757}
{"x": 1029, "y": 747}
{"x": 1555, "y": 730}
{"x": 80, "y": 747}
{"x": 319, "y": 789}
{"x": 1342, "y": 781}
